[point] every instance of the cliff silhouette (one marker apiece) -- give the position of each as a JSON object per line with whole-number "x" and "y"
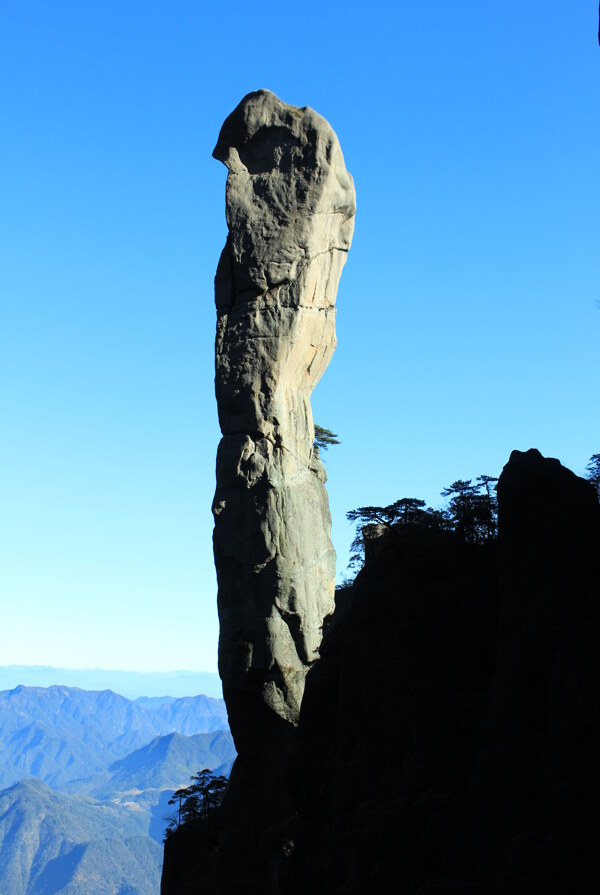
{"x": 448, "y": 736}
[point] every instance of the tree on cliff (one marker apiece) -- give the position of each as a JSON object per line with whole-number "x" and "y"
{"x": 472, "y": 513}
{"x": 324, "y": 438}
{"x": 473, "y": 508}
{"x": 490, "y": 502}
{"x": 406, "y": 511}
{"x": 195, "y": 803}
{"x": 403, "y": 513}
{"x": 593, "y": 472}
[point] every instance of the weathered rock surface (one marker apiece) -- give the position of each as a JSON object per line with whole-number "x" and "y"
{"x": 290, "y": 214}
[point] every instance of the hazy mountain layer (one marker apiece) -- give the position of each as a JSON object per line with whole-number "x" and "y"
{"x": 59, "y": 734}
{"x": 120, "y": 762}
{"x": 165, "y": 762}
{"x": 132, "y": 684}
{"x": 110, "y": 844}
{"x": 53, "y": 844}
{"x": 186, "y": 714}
{"x": 143, "y": 782}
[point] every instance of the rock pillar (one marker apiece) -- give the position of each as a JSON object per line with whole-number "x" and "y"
{"x": 290, "y": 215}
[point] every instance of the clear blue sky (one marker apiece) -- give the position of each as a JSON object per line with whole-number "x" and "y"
{"x": 468, "y": 322}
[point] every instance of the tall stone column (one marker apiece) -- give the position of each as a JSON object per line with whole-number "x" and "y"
{"x": 290, "y": 214}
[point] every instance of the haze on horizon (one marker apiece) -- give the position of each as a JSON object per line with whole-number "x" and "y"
{"x": 133, "y": 683}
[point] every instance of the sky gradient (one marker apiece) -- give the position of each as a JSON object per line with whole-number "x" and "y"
{"x": 468, "y": 320}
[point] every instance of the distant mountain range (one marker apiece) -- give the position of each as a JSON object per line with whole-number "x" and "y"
{"x": 164, "y": 764}
{"x": 132, "y": 684}
{"x": 143, "y": 782}
{"x": 52, "y": 843}
{"x": 59, "y": 734}
{"x": 115, "y": 762}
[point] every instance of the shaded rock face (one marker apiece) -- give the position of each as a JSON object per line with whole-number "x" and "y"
{"x": 534, "y": 812}
{"x": 449, "y": 735}
{"x": 290, "y": 214}
{"x": 389, "y": 722}
{"x": 448, "y": 739}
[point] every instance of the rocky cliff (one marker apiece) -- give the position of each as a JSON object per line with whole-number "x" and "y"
{"x": 290, "y": 213}
{"x": 448, "y": 736}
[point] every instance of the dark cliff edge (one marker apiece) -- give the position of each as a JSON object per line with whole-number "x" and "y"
{"x": 448, "y": 736}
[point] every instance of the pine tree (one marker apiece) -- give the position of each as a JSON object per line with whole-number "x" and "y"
{"x": 196, "y": 802}
{"x": 324, "y": 438}
{"x": 593, "y": 472}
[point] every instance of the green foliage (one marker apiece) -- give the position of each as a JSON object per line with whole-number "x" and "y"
{"x": 473, "y": 509}
{"x": 593, "y": 472}
{"x": 324, "y": 438}
{"x": 408, "y": 512}
{"x": 195, "y": 803}
{"x": 472, "y": 513}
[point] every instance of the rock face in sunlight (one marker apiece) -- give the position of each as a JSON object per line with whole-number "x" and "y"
{"x": 290, "y": 214}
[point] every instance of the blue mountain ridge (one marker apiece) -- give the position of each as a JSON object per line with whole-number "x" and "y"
{"x": 59, "y": 734}
{"x": 116, "y": 763}
{"x": 52, "y": 844}
{"x": 132, "y": 684}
